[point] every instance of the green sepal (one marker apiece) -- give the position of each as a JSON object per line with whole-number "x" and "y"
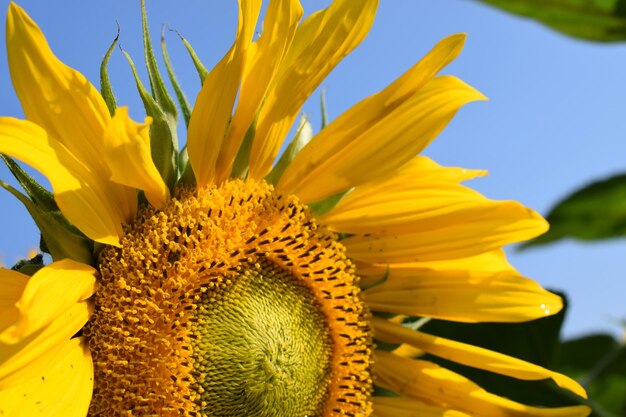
{"x": 163, "y": 135}
{"x": 180, "y": 95}
{"x": 105, "y": 83}
{"x": 202, "y": 71}
{"x": 379, "y": 281}
{"x": 323, "y": 109}
{"x": 380, "y": 345}
{"x": 183, "y": 160}
{"x": 242, "y": 160}
{"x": 43, "y": 198}
{"x": 62, "y": 240}
{"x": 187, "y": 177}
{"x": 383, "y": 392}
{"x": 29, "y": 266}
{"x": 415, "y": 323}
{"x": 324, "y": 206}
{"x": 159, "y": 92}
{"x": 303, "y": 135}
{"x": 385, "y": 346}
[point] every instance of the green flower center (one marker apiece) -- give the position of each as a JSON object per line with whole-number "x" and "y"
{"x": 263, "y": 348}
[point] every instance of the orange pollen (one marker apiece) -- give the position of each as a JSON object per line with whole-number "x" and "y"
{"x": 230, "y": 301}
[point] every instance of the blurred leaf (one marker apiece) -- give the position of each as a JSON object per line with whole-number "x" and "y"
{"x": 596, "y": 20}
{"x": 579, "y": 356}
{"x": 535, "y": 341}
{"x": 596, "y": 211}
{"x": 599, "y": 362}
{"x": 609, "y": 392}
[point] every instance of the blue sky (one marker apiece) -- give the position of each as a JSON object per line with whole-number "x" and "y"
{"x": 555, "y": 119}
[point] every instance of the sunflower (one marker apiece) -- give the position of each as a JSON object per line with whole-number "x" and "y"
{"x": 240, "y": 283}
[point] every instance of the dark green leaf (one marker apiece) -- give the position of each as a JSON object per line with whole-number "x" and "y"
{"x": 596, "y": 211}
{"x": 608, "y": 393}
{"x": 579, "y": 356}
{"x": 29, "y": 266}
{"x": 536, "y": 341}
{"x": 105, "y": 84}
{"x": 596, "y": 20}
{"x": 599, "y": 362}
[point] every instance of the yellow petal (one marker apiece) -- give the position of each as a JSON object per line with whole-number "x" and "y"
{"x": 464, "y": 297}
{"x": 421, "y": 188}
{"x": 423, "y": 169}
{"x": 408, "y": 351}
{"x": 53, "y": 95}
{"x": 407, "y": 407}
{"x": 87, "y": 200}
{"x": 345, "y": 156}
{"x": 322, "y": 40}
{"x": 371, "y": 111}
{"x": 471, "y": 355}
{"x": 129, "y": 157}
{"x": 24, "y": 360}
{"x": 407, "y": 207}
{"x": 212, "y": 111}
{"x": 73, "y": 114}
{"x": 493, "y": 261}
{"x": 12, "y": 286}
{"x": 264, "y": 59}
{"x": 61, "y": 388}
{"x": 480, "y": 227}
{"x": 52, "y": 291}
{"x": 429, "y": 382}
{"x": 358, "y": 157}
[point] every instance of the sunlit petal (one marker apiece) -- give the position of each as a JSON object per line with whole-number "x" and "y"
{"x": 322, "y": 40}
{"x": 62, "y": 389}
{"x": 212, "y": 112}
{"x": 429, "y": 382}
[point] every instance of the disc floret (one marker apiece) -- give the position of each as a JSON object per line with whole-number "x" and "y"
{"x": 229, "y": 301}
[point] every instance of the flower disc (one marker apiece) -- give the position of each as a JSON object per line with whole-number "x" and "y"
{"x": 230, "y": 301}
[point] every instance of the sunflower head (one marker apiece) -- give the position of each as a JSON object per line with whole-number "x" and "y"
{"x": 230, "y": 299}
{"x": 226, "y": 280}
